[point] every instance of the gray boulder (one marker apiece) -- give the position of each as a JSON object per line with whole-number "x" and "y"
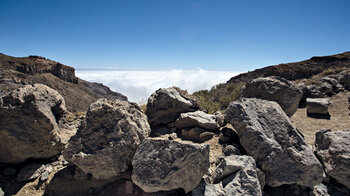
{"x": 197, "y": 119}
{"x": 267, "y": 134}
{"x": 234, "y": 175}
{"x": 274, "y": 89}
{"x": 166, "y": 105}
{"x": 317, "y": 91}
{"x": 344, "y": 79}
{"x": 336, "y": 87}
{"x": 333, "y": 149}
{"x": 32, "y": 121}
{"x": 108, "y": 139}
{"x": 163, "y": 165}
{"x": 317, "y": 106}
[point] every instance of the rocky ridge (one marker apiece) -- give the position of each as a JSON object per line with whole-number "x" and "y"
{"x": 78, "y": 94}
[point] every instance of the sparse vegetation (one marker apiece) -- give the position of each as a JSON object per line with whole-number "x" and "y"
{"x": 218, "y": 97}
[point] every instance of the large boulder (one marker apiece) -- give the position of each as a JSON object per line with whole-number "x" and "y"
{"x": 344, "y": 79}
{"x": 267, "y": 134}
{"x": 32, "y": 124}
{"x": 108, "y": 139}
{"x": 318, "y": 106}
{"x": 197, "y": 119}
{"x": 166, "y": 105}
{"x": 333, "y": 149}
{"x": 164, "y": 165}
{"x": 274, "y": 89}
{"x": 234, "y": 175}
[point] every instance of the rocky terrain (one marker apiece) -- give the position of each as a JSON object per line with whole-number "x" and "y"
{"x": 78, "y": 94}
{"x": 281, "y": 136}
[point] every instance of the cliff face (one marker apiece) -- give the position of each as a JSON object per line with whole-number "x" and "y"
{"x": 37, "y": 65}
{"x": 79, "y": 94}
{"x": 299, "y": 70}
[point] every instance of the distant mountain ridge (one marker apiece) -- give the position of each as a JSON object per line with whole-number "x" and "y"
{"x": 78, "y": 94}
{"x": 297, "y": 70}
{"x": 222, "y": 94}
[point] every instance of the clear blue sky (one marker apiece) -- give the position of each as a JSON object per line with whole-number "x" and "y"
{"x": 163, "y": 34}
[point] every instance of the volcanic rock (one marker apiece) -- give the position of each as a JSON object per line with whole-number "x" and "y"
{"x": 166, "y": 105}
{"x": 108, "y": 139}
{"x": 234, "y": 175}
{"x": 267, "y": 134}
{"x": 197, "y": 119}
{"x": 163, "y": 165}
{"x": 317, "y": 106}
{"x": 274, "y": 89}
{"x": 333, "y": 149}
{"x": 32, "y": 124}
{"x": 344, "y": 79}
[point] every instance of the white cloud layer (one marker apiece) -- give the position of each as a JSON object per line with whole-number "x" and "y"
{"x": 139, "y": 85}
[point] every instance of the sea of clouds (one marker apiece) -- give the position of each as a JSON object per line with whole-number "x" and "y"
{"x": 138, "y": 85}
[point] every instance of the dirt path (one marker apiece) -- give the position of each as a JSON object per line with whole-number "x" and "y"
{"x": 339, "y": 119}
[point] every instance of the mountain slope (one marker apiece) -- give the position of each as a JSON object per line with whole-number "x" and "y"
{"x": 298, "y": 70}
{"x": 78, "y": 94}
{"x": 222, "y": 94}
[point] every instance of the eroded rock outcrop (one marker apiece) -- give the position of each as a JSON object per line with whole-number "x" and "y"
{"x": 163, "y": 165}
{"x": 333, "y": 149}
{"x": 108, "y": 139}
{"x": 32, "y": 124}
{"x": 166, "y": 105}
{"x": 267, "y": 134}
{"x": 274, "y": 89}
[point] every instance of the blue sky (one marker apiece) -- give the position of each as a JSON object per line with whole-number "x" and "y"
{"x": 163, "y": 34}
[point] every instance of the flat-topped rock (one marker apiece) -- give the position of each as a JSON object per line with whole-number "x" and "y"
{"x": 317, "y": 106}
{"x": 197, "y": 119}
